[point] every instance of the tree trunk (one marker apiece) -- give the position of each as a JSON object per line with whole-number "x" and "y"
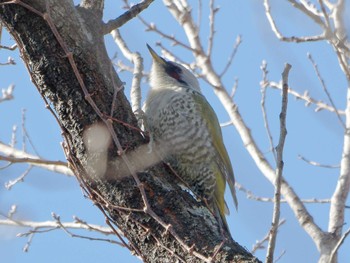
{"x": 79, "y": 31}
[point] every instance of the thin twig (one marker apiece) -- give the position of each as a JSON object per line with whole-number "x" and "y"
{"x": 320, "y": 105}
{"x": 263, "y": 85}
{"x": 325, "y": 88}
{"x": 318, "y": 164}
{"x": 65, "y": 229}
{"x": 280, "y": 36}
{"x": 136, "y": 59}
{"x": 280, "y": 165}
{"x": 20, "y": 178}
{"x": 199, "y": 16}
{"x": 259, "y": 244}
{"x": 127, "y": 16}
{"x": 32, "y": 161}
{"x": 340, "y": 242}
{"x": 232, "y": 56}
{"x": 25, "y": 135}
{"x": 17, "y": 156}
{"x": 13, "y": 47}
{"x": 212, "y": 13}
{"x": 250, "y": 195}
{"x": 280, "y": 256}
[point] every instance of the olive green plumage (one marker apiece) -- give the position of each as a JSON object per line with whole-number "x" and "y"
{"x": 181, "y": 120}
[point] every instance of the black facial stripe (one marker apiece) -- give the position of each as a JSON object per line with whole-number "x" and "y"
{"x": 174, "y": 71}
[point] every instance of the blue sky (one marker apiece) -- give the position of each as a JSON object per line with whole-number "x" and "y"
{"x": 317, "y": 136}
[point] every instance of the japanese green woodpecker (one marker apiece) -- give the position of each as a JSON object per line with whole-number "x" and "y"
{"x": 182, "y": 122}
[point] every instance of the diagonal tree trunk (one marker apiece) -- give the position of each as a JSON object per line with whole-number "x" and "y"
{"x": 192, "y": 234}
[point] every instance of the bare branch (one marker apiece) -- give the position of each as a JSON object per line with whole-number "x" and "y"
{"x": 17, "y": 156}
{"x": 172, "y": 38}
{"x": 25, "y": 135}
{"x": 213, "y": 11}
{"x": 252, "y": 196}
{"x": 33, "y": 161}
{"x": 320, "y": 105}
{"x": 338, "y": 19}
{"x": 199, "y": 21}
{"x": 340, "y": 242}
{"x": 13, "y": 47}
{"x": 259, "y": 244}
{"x": 318, "y": 164}
{"x": 66, "y": 230}
{"x": 232, "y": 56}
{"x": 11, "y": 183}
{"x": 293, "y": 38}
{"x": 127, "y": 16}
{"x": 280, "y": 256}
{"x": 136, "y": 59}
{"x": 336, "y": 214}
{"x": 263, "y": 85}
{"x": 325, "y": 14}
{"x": 325, "y": 88}
{"x": 47, "y": 226}
{"x": 309, "y": 10}
{"x": 280, "y": 165}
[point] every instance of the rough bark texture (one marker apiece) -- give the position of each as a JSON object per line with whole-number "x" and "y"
{"x": 51, "y": 72}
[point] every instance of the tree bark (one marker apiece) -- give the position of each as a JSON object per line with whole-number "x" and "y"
{"x": 80, "y": 29}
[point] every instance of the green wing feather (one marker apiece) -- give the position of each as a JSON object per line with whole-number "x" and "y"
{"x": 223, "y": 162}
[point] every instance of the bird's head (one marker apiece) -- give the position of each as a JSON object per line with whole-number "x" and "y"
{"x": 167, "y": 74}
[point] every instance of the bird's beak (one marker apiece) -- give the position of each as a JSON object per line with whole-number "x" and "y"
{"x": 155, "y": 56}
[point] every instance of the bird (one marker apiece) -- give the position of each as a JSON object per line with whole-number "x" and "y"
{"x": 182, "y": 123}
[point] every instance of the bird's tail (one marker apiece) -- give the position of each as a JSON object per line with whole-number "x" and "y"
{"x": 220, "y": 216}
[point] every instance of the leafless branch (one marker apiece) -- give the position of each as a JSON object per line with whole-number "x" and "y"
{"x": 168, "y": 54}
{"x": 340, "y": 242}
{"x": 293, "y": 38}
{"x": 309, "y": 10}
{"x": 11, "y": 183}
{"x": 12, "y": 211}
{"x": 13, "y": 141}
{"x": 152, "y": 27}
{"x": 13, "y": 155}
{"x": 13, "y": 47}
{"x": 325, "y": 14}
{"x": 77, "y": 224}
{"x": 213, "y": 11}
{"x": 252, "y": 196}
{"x": 25, "y": 135}
{"x": 280, "y": 165}
{"x": 232, "y": 56}
{"x": 320, "y": 105}
{"x": 33, "y": 161}
{"x": 132, "y": 12}
{"x": 318, "y": 164}
{"x": 263, "y": 85}
{"x": 90, "y": 228}
{"x": 325, "y": 88}
{"x": 47, "y": 226}
{"x": 199, "y": 16}
{"x": 336, "y": 215}
{"x": 136, "y": 59}
{"x": 259, "y": 244}
{"x": 280, "y": 256}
